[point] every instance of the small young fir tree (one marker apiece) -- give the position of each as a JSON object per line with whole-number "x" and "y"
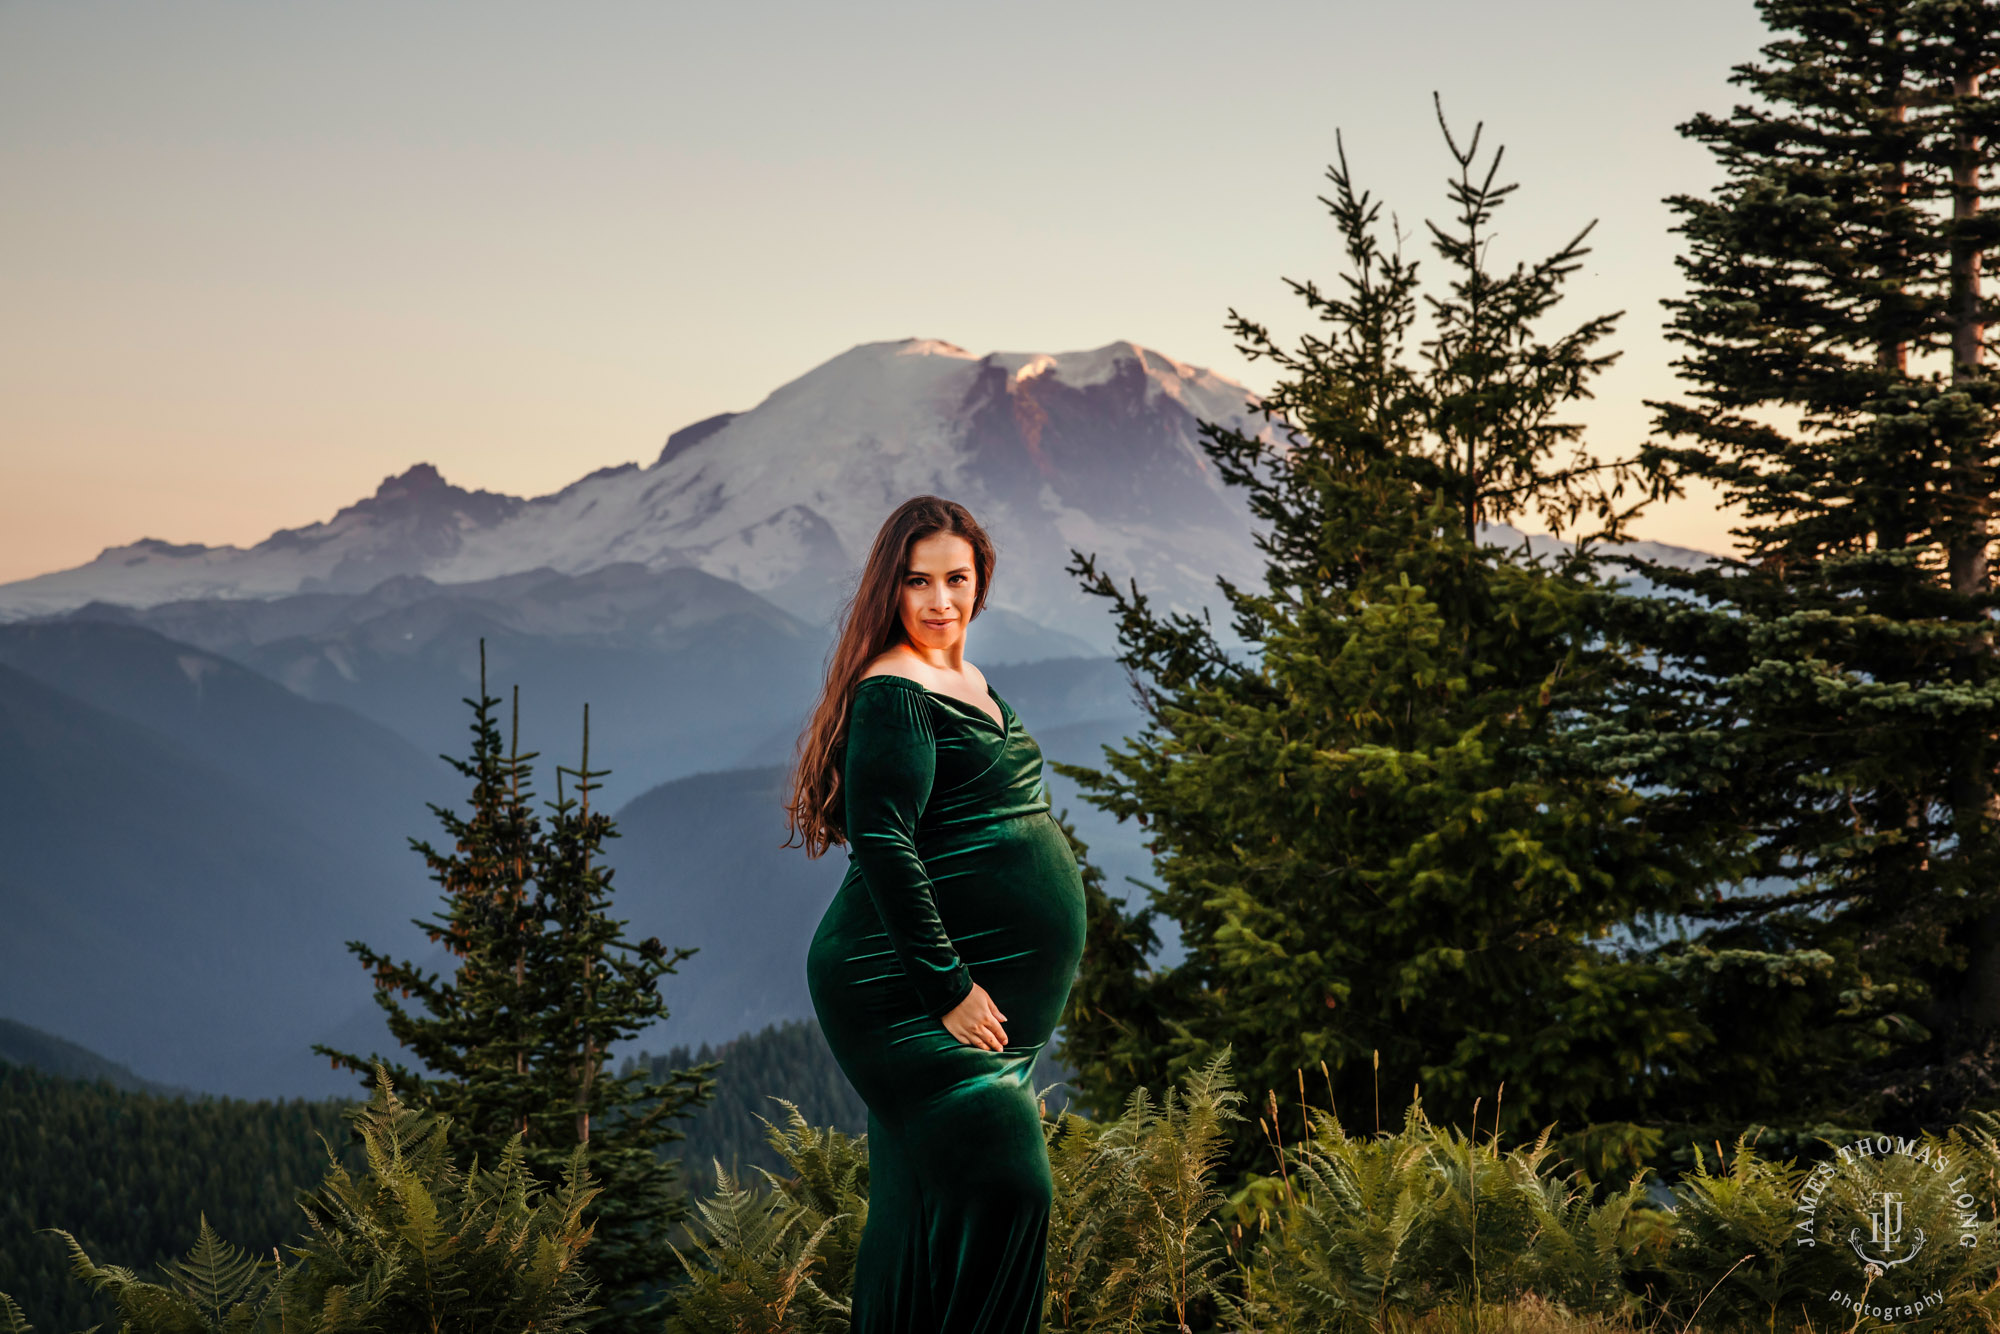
{"x": 519, "y": 1040}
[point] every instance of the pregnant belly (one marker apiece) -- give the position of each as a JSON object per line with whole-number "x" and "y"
{"x": 1011, "y": 899}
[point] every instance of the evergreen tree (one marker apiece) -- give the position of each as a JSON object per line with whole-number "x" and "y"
{"x": 518, "y": 1041}
{"x": 475, "y": 1035}
{"x": 592, "y": 988}
{"x": 1374, "y": 834}
{"x": 1830, "y": 690}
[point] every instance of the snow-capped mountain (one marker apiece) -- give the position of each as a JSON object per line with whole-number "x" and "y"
{"x": 1094, "y": 450}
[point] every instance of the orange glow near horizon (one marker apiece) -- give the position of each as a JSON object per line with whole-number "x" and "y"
{"x": 255, "y": 259}
{"x": 61, "y": 511}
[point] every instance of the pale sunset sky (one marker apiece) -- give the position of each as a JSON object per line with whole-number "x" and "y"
{"x": 254, "y": 258}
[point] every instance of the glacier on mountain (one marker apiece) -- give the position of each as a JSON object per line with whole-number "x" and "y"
{"x": 1097, "y": 450}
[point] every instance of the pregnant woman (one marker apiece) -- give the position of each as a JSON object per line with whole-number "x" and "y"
{"x": 945, "y": 959}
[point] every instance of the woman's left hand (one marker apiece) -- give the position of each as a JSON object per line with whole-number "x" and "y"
{"x": 976, "y": 1021}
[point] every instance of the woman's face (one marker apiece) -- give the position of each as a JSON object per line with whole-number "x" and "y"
{"x": 938, "y": 591}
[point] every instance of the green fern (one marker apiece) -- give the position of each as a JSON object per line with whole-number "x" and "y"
{"x": 1133, "y": 1232}
{"x": 1484, "y": 1220}
{"x": 415, "y": 1243}
{"x": 228, "y": 1287}
{"x": 778, "y": 1257}
{"x": 1733, "y": 1252}
{"x": 829, "y": 1179}
{"x": 1369, "y": 1233}
{"x": 1379, "y": 1234}
{"x": 1177, "y": 1156}
{"x": 13, "y": 1320}
{"x": 756, "y": 1276}
{"x": 1083, "y": 1243}
{"x": 1582, "y": 1248}
{"x": 1345, "y": 1243}
{"x": 419, "y": 1243}
{"x": 1736, "y": 1254}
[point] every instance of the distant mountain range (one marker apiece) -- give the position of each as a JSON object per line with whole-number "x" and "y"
{"x": 33, "y": 1049}
{"x": 188, "y": 849}
{"x": 212, "y": 758}
{"x": 683, "y": 671}
{"x": 1095, "y": 450}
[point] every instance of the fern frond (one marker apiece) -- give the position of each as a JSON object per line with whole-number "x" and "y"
{"x": 107, "y": 1279}
{"x": 215, "y": 1276}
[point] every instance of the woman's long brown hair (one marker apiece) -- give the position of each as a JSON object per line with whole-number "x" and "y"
{"x": 870, "y": 624}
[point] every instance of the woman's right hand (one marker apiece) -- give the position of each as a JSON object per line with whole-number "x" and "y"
{"x": 976, "y": 1021}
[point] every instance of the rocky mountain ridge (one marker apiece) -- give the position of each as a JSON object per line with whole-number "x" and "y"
{"x": 1096, "y": 450}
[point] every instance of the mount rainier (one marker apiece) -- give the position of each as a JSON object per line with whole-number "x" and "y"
{"x": 1096, "y": 450}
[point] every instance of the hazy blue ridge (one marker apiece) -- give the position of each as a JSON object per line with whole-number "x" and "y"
{"x": 33, "y": 1049}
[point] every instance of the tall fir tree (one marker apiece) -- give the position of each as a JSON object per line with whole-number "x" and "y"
{"x": 1829, "y": 690}
{"x": 1373, "y": 834}
{"x": 472, "y": 1036}
{"x": 518, "y": 1041}
{"x": 595, "y": 989}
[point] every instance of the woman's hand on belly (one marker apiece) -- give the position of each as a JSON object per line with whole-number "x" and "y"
{"x": 976, "y": 1021}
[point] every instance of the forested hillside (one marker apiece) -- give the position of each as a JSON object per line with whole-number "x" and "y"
{"x": 789, "y": 1060}
{"x": 131, "y": 1174}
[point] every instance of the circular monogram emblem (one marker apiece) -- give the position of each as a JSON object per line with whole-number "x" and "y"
{"x": 1900, "y": 1217}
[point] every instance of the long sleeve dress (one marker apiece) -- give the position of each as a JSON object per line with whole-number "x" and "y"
{"x": 956, "y": 872}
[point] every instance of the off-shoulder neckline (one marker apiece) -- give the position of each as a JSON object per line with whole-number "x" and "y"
{"x": 1005, "y": 726}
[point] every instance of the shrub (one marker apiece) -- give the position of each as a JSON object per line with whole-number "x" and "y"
{"x": 1420, "y": 1230}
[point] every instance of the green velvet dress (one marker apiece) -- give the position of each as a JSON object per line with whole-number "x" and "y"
{"x": 956, "y": 872}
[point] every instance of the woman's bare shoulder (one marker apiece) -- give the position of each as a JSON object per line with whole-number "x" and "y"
{"x": 904, "y": 665}
{"x": 892, "y": 664}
